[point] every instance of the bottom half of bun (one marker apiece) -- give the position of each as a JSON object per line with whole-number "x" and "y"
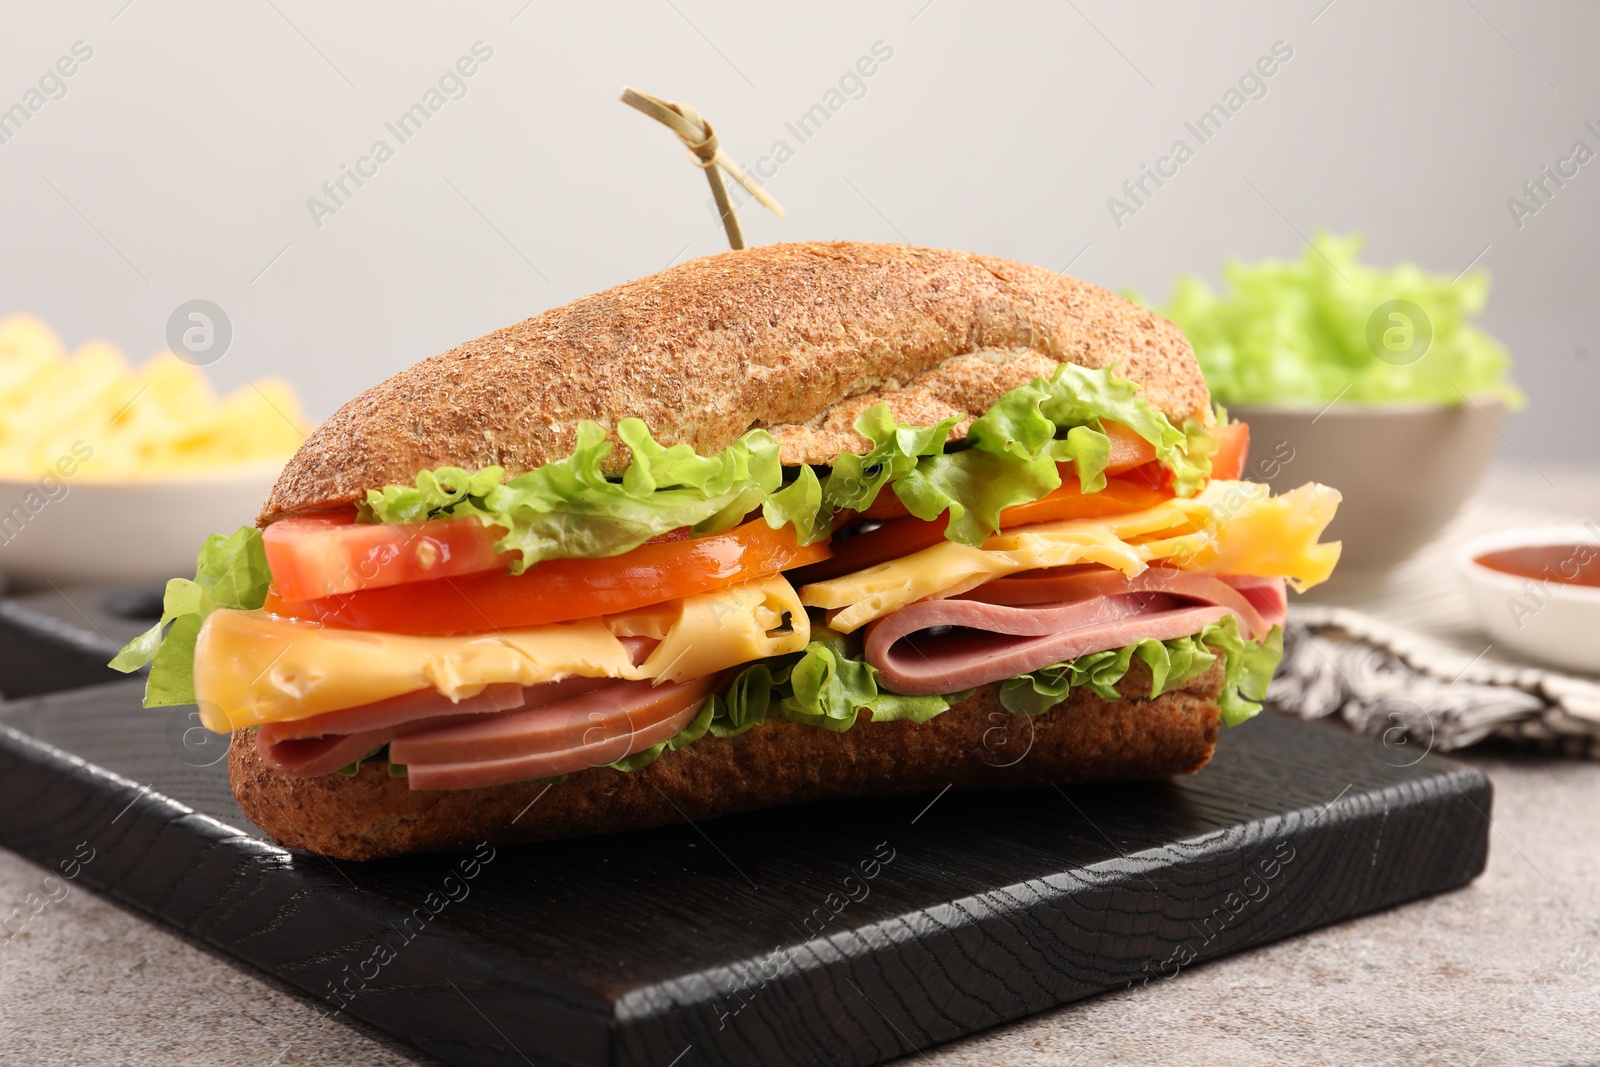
{"x": 976, "y": 744}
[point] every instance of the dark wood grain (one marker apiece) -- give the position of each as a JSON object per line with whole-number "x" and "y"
{"x": 740, "y": 940}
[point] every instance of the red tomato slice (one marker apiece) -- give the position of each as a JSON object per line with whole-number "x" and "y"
{"x": 558, "y": 590}
{"x": 1119, "y": 497}
{"x": 1128, "y": 449}
{"x": 903, "y": 536}
{"x": 885, "y": 506}
{"x": 1233, "y": 445}
{"x": 329, "y": 553}
{"x": 1227, "y": 460}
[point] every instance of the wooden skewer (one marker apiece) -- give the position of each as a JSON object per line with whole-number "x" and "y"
{"x": 701, "y": 140}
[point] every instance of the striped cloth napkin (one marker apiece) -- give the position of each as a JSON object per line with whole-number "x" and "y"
{"x": 1407, "y": 661}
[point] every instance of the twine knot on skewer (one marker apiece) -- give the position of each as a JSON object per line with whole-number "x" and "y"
{"x": 700, "y": 139}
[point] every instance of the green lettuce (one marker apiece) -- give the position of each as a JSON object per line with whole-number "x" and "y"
{"x": 569, "y": 508}
{"x": 825, "y": 685}
{"x": 1312, "y": 331}
{"x": 1010, "y": 453}
{"x": 1247, "y": 671}
{"x": 828, "y": 686}
{"x": 229, "y": 572}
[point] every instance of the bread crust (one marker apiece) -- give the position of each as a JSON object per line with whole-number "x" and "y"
{"x": 976, "y": 744}
{"x": 795, "y": 338}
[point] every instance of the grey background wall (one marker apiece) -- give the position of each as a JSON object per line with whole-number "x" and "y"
{"x": 179, "y": 161}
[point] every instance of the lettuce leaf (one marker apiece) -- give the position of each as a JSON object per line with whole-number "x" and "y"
{"x": 855, "y": 481}
{"x": 1313, "y": 330}
{"x": 825, "y": 685}
{"x": 230, "y": 572}
{"x": 1010, "y": 452}
{"x": 829, "y": 687}
{"x": 569, "y": 508}
{"x": 1247, "y": 671}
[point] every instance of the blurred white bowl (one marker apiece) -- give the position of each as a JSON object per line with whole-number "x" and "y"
{"x": 1556, "y": 623}
{"x": 79, "y": 531}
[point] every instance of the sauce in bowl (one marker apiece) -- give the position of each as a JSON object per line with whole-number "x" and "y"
{"x": 1570, "y": 564}
{"x": 1536, "y": 593}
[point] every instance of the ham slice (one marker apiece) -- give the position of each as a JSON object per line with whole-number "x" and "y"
{"x": 1267, "y": 595}
{"x": 322, "y": 744}
{"x": 605, "y": 719}
{"x": 1018, "y": 624}
{"x": 574, "y": 735}
{"x": 1261, "y": 603}
{"x": 397, "y": 711}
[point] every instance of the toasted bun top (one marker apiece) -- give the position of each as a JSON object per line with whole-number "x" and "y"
{"x": 796, "y": 338}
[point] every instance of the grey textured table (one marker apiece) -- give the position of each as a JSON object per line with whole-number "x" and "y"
{"x": 1503, "y": 972}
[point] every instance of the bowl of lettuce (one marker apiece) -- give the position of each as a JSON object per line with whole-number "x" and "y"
{"x": 1373, "y": 380}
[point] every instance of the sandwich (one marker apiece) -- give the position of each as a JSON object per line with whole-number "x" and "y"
{"x": 784, "y": 524}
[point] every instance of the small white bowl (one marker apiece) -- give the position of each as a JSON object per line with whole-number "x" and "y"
{"x": 1556, "y": 623}
{"x": 73, "y": 530}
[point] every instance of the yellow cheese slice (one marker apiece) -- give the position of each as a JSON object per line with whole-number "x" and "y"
{"x": 1268, "y": 536}
{"x": 717, "y": 630}
{"x": 1230, "y": 528}
{"x": 251, "y": 667}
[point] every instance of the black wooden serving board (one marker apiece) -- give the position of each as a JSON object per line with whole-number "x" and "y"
{"x": 837, "y": 933}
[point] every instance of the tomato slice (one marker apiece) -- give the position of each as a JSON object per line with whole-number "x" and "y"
{"x": 885, "y": 506}
{"x": 1233, "y": 445}
{"x": 559, "y": 590}
{"x": 1128, "y": 449}
{"x": 1119, "y": 497}
{"x": 903, "y": 536}
{"x": 895, "y": 538}
{"x": 1227, "y": 459}
{"x": 329, "y": 553}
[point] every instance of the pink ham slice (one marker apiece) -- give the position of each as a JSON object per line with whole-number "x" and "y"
{"x": 1267, "y": 595}
{"x": 610, "y": 715}
{"x": 1015, "y": 625}
{"x": 591, "y": 730}
{"x": 1261, "y": 603}
{"x": 324, "y": 743}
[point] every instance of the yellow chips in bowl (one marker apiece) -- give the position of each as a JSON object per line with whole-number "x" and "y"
{"x": 123, "y": 423}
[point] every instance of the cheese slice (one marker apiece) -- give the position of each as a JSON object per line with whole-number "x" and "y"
{"x": 1230, "y": 528}
{"x": 251, "y": 667}
{"x": 717, "y": 630}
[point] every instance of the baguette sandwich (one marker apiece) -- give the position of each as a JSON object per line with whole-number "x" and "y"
{"x": 794, "y": 522}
